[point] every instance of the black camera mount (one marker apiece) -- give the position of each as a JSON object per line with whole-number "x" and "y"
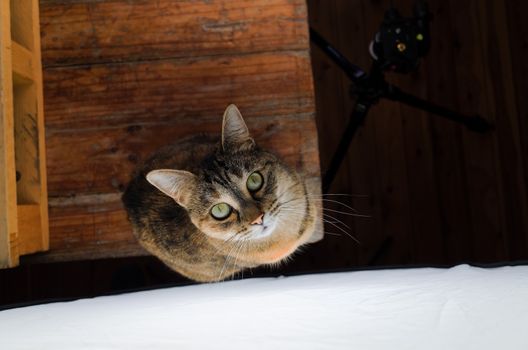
{"x": 397, "y": 47}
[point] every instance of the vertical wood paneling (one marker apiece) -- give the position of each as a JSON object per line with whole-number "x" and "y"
{"x": 448, "y": 155}
{"x": 501, "y": 98}
{"x": 427, "y": 236}
{"x": 516, "y": 11}
{"x": 444, "y": 194}
{"x": 359, "y": 167}
{"x": 393, "y": 209}
{"x": 485, "y": 199}
{"x": 329, "y": 102}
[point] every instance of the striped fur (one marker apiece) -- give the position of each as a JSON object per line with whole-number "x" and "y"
{"x": 171, "y": 214}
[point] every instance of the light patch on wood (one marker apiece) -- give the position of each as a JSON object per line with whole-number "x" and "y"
{"x": 29, "y": 229}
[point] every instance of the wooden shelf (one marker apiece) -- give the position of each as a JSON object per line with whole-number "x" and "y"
{"x": 23, "y": 193}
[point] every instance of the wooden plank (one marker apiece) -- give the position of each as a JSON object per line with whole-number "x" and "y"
{"x": 427, "y": 237}
{"x": 150, "y": 92}
{"x": 39, "y": 94}
{"x": 23, "y": 67}
{"x": 518, "y": 32}
{"x": 355, "y": 177}
{"x": 127, "y": 106}
{"x": 446, "y": 149}
{"x": 331, "y": 118}
{"x": 480, "y": 157}
{"x": 90, "y": 31}
{"x": 89, "y": 227}
{"x": 100, "y": 161}
{"x": 500, "y": 95}
{"x": 8, "y": 216}
{"x": 435, "y": 183}
{"x": 29, "y": 229}
{"x": 392, "y": 205}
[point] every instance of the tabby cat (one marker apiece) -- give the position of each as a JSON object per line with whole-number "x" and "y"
{"x": 238, "y": 207}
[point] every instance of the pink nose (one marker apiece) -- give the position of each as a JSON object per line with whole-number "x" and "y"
{"x": 258, "y": 220}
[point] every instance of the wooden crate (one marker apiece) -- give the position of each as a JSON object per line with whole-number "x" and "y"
{"x": 23, "y": 193}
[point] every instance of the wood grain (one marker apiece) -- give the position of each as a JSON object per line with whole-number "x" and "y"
{"x": 500, "y": 93}
{"x": 518, "y": 32}
{"x": 123, "y": 79}
{"x": 104, "y": 96}
{"x": 22, "y": 64}
{"x": 329, "y": 103}
{"x": 446, "y": 140}
{"x": 23, "y": 15}
{"x": 8, "y": 214}
{"x": 86, "y": 32}
{"x": 29, "y": 229}
{"x": 39, "y": 95}
{"x": 101, "y": 161}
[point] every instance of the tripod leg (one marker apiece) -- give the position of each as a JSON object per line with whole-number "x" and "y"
{"x": 475, "y": 123}
{"x": 356, "y": 120}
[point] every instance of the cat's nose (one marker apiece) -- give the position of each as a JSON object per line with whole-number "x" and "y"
{"x": 259, "y": 220}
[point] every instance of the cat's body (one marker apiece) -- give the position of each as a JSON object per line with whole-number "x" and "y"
{"x": 210, "y": 219}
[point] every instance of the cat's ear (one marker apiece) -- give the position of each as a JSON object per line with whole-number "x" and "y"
{"x": 178, "y": 184}
{"x": 235, "y": 134}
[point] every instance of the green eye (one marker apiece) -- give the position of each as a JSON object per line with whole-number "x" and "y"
{"x": 254, "y": 182}
{"x": 221, "y": 211}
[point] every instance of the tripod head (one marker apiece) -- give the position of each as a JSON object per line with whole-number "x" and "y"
{"x": 399, "y": 46}
{"x": 401, "y": 42}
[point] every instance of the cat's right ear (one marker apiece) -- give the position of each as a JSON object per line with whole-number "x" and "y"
{"x": 235, "y": 134}
{"x": 177, "y": 184}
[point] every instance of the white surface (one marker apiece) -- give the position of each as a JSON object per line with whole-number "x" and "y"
{"x": 459, "y": 308}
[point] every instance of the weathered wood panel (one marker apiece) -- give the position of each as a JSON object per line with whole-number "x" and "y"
{"x": 85, "y": 184}
{"x": 101, "y": 161}
{"x": 104, "y": 96}
{"x": 123, "y": 79}
{"x": 93, "y": 31}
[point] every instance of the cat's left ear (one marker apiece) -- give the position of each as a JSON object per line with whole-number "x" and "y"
{"x": 178, "y": 184}
{"x": 235, "y": 134}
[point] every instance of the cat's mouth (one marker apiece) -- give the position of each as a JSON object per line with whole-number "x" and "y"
{"x": 265, "y": 230}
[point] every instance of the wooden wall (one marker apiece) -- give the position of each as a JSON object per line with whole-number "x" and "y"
{"x": 437, "y": 193}
{"x": 124, "y": 78}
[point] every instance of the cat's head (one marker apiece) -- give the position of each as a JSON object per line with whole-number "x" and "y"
{"x": 241, "y": 192}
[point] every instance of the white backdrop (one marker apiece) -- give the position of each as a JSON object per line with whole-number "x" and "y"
{"x": 459, "y": 308}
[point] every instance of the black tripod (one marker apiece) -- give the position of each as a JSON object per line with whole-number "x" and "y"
{"x": 369, "y": 88}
